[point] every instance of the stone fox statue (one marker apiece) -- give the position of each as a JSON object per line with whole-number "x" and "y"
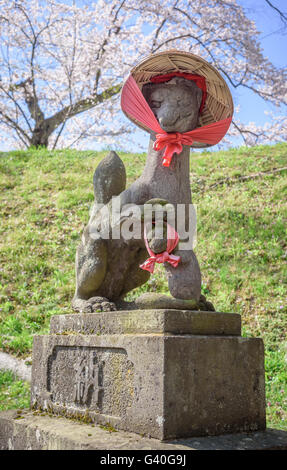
{"x": 106, "y": 269}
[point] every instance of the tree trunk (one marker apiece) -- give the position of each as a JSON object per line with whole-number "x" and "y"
{"x": 40, "y": 137}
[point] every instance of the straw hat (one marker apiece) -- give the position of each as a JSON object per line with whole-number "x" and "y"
{"x": 219, "y": 103}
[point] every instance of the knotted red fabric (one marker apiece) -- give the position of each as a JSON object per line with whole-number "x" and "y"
{"x": 165, "y": 256}
{"x": 135, "y": 105}
{"x": 173, "y": 143}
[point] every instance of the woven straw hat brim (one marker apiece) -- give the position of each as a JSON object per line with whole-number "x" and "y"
{"x": 219, "y": 103}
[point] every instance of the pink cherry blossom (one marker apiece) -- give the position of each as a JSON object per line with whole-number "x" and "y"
{"x": 62, "y": 64}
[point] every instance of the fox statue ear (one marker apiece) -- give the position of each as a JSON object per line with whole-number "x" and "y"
{"x": 192, "y": 85}
{"x": 199, "y": 97}
{"x": 146, "y": 89}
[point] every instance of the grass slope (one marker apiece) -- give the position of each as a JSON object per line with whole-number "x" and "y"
{"x": 242, "y": 247}
{"x": 14, "y": 393}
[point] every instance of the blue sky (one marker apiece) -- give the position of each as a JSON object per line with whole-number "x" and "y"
{"x": 274, "y": 43}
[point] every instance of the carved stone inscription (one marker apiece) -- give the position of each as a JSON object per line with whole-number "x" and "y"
{"x": 88, "y": 378}
{"x": 98, "y": 379}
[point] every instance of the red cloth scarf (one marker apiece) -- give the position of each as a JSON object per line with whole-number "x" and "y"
{"x": 165, "y": 256}
{"x": 135, "y": 105}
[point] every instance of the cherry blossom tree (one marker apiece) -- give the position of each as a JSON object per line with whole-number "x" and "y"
{"x": 62, "y": 64}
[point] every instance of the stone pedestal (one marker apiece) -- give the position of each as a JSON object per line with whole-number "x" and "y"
{"x": 162, "y": 373}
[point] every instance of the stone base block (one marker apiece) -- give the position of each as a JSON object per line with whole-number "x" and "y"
{"x": 39, "y": 431}
{"x": 164, "y": 383}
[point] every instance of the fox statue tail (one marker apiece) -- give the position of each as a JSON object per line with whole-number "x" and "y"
{"x": 109, "y": 178}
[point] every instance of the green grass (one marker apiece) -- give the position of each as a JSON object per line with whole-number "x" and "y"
{"x": 242, "y": 244}
{"x": 14, "y": 393}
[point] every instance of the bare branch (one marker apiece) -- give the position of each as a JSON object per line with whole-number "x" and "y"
{"x": 281, "y": 14}
{"x": 59, "y": 134}
{"x": 14, "y": 125}
{"x": 31, "y": 100}
{"x": 70, "y": 111}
